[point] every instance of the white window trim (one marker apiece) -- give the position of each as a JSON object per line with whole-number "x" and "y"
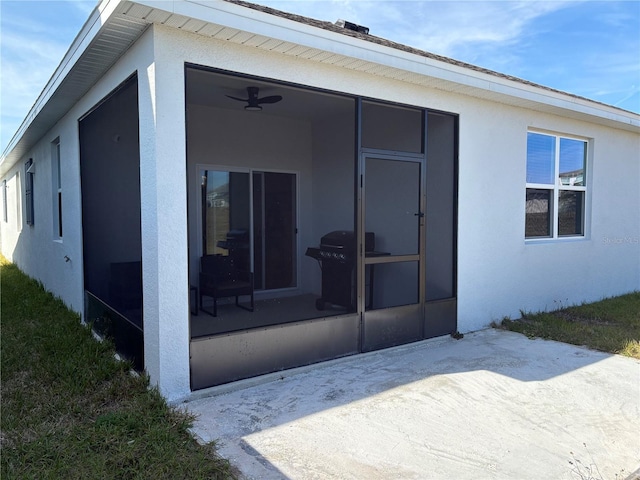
{"x": 557, "y": 186}
{"x": 56, "y": 190}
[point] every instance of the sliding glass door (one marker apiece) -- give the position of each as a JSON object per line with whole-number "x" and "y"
{"x": 251, "y": 216}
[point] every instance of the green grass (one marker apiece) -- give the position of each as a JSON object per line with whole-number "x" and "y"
{"x": 611, "y": 325}
{"x": 71, "y": 410}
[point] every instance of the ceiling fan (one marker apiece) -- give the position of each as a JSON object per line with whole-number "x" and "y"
{"x": 253, "y": 102}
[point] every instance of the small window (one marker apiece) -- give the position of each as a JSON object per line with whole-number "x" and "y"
{"x": 19, "y": 204}
{"x": 56, "y": 188}
{"x": 29, "y": 169}
{"x": 556, "y": 186}
{"x": 5, "y": 213}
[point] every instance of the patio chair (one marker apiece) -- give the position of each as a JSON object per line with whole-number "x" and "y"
{"x": 220, "y": 278}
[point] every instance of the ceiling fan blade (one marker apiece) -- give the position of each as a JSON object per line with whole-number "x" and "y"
{"x": 271, "y": 99}
{"x": 239, "y": 99}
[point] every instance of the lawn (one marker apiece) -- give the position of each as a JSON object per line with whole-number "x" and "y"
{"x": 610, "y": 325}
{"x": 71, "y": 410}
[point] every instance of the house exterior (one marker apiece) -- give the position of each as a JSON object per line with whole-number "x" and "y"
{"x": 377, "y": 194}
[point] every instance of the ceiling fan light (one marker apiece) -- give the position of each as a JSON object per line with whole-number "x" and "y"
{"x": 253, "y": 108}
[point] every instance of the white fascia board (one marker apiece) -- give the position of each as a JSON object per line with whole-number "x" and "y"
{"x": 283, "y": 29}
{"x": 87, "y": 34}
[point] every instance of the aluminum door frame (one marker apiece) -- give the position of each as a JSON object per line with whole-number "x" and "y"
{"x": 391, "y": 326}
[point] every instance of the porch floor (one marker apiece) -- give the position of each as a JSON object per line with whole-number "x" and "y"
{"x": 492, "y": 405}
{"x": 267, "y": 312}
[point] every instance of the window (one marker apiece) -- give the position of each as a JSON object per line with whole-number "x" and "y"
{"x": 29, "y": 169}
{"x": 18, "y": 201}
{"x": 56, "y": 188}
{"x": 556, "y": 186}
{"x": 5, "y": 214}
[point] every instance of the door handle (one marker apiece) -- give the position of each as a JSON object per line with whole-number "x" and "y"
{"x": 419, "y": 214}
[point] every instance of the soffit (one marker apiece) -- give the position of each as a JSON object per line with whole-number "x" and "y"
{"x": 326, "y": 43}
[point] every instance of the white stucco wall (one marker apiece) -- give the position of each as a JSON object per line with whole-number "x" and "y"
{"x": 499, "y": 274}
{"x": 163, "y": 192}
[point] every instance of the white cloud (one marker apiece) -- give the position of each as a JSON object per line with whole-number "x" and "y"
{"x": 32, "y": 47}
{"x": 440, "y": 27}
{"x": 84, "y": 7}
{"x": 24, "y": 74}
{"x": 630, "y": 100}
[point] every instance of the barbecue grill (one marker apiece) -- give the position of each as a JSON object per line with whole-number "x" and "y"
{"x": 337, "y": 257}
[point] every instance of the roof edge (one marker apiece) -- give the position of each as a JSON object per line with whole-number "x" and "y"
{"x": 325, "y": 25}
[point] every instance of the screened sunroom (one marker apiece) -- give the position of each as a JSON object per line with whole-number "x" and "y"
{"x": 319, "y": 207}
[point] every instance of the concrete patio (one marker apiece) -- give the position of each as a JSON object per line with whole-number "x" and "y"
{"x": 494, "y": 405}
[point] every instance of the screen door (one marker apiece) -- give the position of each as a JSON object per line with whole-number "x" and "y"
{"x": 392, "y": 227}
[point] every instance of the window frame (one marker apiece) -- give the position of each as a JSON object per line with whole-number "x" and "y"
{"x": 56, "y": 189}
{"x": 557, "y": 187}
{"x": 28, "y": 192}
{"x": 251, "y": 171}
{"x": 5, "y": 208}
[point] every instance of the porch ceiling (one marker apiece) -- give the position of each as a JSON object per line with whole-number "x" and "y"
{"x": 209, "y": 89}
{"x": 116, "y": 24}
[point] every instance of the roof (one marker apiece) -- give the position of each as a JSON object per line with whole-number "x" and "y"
{"x": 405, "y": 48}
{"x": 115, "y": 25}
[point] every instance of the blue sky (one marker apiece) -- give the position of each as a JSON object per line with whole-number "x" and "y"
{"x": 589, "y": 48}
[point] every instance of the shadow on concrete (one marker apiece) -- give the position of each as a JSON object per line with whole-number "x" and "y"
{"x": 493, "y": 391}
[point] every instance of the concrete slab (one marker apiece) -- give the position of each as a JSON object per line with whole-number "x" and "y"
{"x": 494, "y": 405}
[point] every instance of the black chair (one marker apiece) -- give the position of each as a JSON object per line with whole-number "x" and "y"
{"x": 219, "y": 278}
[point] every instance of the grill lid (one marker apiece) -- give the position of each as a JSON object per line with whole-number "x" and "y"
{"x": 346, "y": 239}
